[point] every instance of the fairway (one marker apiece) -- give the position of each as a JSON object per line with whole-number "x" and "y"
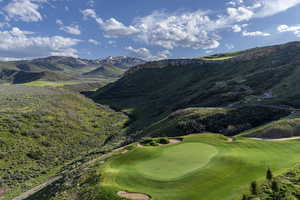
{"x": 201, "y": 167}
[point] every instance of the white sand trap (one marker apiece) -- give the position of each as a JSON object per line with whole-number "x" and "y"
{"x": 174, "y": 141}
{"x": 134, "y": 196}
{"x": 171, "y": 141}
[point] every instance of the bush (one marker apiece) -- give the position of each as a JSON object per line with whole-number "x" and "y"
{"x": 153, "y": 143}
{"x": 163, "y": 141}
{"x": 146, "y": 141}
{"x": 35, "y": 155}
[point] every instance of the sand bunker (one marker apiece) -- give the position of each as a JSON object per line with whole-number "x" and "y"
{"x": 134, "y": 196}
{"x": 173, "y": 141}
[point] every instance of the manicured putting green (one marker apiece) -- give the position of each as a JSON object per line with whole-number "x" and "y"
{"x": 176, "y": 161}
{"x": 202, "y": 167}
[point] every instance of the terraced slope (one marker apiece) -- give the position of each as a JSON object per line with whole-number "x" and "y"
{"x": 201, "y": 167}
{"x": 42, "y": 129}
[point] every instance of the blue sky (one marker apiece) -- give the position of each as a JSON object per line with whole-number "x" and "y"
{"x": 156, "y": 29}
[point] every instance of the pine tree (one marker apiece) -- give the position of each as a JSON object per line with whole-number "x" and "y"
{"x": 253, "y": 188}
{"x": 269, "y": 175}
{"x": 244, "y": 197}
{"x": 275, "y": 186}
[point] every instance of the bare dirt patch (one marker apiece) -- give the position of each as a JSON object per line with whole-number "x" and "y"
{"x": 231, "y": 139}
{"x": 2, "y": 191}
{"x": 134, "y": 196}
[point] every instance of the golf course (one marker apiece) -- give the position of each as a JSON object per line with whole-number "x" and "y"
{"x": 201, "y": 167}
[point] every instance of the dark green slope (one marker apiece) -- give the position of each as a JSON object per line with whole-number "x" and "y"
{"x": 151, "y": 92}
{"x": 19, "y": 77}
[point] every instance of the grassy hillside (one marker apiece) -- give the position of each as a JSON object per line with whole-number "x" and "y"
{"x": 285, "y": 187}
{"x": 227, "y": 121}
{"x": 170, "y": 172}
{"x": 105, "y": 71}
{"x": 19, "y": 77}
{"x": 150, "y": 93}
{"x": 41, "y": 129}
{"x": 283, "y": 128}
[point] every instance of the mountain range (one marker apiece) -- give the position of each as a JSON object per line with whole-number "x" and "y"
{"x": 57, "y": 68}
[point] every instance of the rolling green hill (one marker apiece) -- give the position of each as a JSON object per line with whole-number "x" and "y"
{"x": 43, "y": 129}
{"x": 19, "y": 77}
{"x": 151, "y": 92}
{"x": 105, "y": 71}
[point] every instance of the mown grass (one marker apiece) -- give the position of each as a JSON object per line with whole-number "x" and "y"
{"x": 42, "y": 129}
{"x": 226, "y": 176}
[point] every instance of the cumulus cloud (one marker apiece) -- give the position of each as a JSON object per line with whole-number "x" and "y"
{"x": 239, "y": 14}
{"x": 24, "y": 10}
{"x": 72, "y": 29}
{"x": 255, "y": 33}
{"x": 188, "y": 29}
{"x": 145, "y": 53}
{"x": 243, "y": 10}
{"x": 114, "y": 28}
{"x": 91, "y": 13}
{"x": 198, "y": 29}
{"x": 169, "y": 30}
{"x": 25, "y": 44}
{"x": 59, "y": 22}
{"x": 236, "y": 28}
{"x": 286, "y": 28}
{"x": 94, "y": 42}
{"x": 272, "y": 7}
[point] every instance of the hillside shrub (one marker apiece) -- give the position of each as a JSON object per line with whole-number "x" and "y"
{"x": 163, "y": 141}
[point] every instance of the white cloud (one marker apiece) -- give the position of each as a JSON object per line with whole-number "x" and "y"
{"x": 255, "y": 33}
{"x": 59, "y": 22}
{"x": 189, "y": 29}
{"x": 95, "y": 42}
{"x": 196, "y": 29}
{"x": 272, "y": 7}
{"x": 229, "y": 46}
{"x": 72, "y": 29}
{"x": 24, "y": 44}
{"x": 236, "y": 28}
{"x": 24, "y": 10}
{"x": 243, "y": 10}
{"x": 286, "y": 28}
{"x": 239, "y": 14}
{"x": 90, "y": 13}
{"x": 145, "y": 53}
{"x": 114, "y": 28}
